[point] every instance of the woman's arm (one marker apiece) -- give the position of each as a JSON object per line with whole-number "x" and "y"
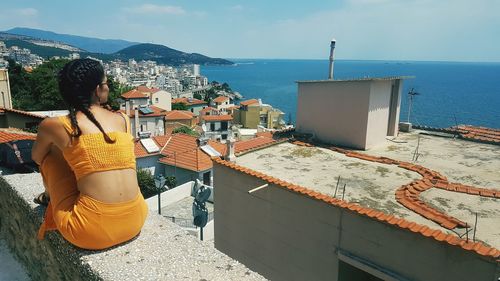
{"x": 44, "y": 140}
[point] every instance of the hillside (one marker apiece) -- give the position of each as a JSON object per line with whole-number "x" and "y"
{"x": 166, "y": 55}
{"x": 159, "y": 53}
{"x": 92, "y": 45}
{"x": 43, "y": 51}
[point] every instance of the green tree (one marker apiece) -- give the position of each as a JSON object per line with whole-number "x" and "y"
{"x": 147, "y": 183}
{"x": 197, "y": 96}
{"x": 185, "y": 130}
{"x": 39, "y": 90}
{"x": 179, "y": 106}
{"x": 115, "y": 91}
{"x": 19, "y": 87}
{"x": 44, "y": 86}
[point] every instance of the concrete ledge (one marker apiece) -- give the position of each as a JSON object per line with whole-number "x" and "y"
{"x": 163, "y": 251}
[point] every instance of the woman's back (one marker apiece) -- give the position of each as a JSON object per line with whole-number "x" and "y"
{"x": 105, "y": 171}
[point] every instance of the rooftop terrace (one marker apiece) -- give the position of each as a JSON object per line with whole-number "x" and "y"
{"x": 392, "y": 183}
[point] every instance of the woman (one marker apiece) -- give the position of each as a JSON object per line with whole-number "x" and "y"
{"x": 87, "y": 163}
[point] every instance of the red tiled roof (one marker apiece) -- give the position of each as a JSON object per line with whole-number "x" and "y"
{"x": 183, "y": 151}
{"x": 156, "y": 112}
{"x": 210, "y": 118}
{"x": 220, "y": 99}
{"x": 134, "y": 94}
{"x": 187, "y": 101}
{"x": 438, "y": 235}
{"x": 264, "y": 134}
{"x": 220, "y": 147}
{"x": 481, "y": 134}
{"x": 140, "y": 151}
{"x": 7, "y": 135}
{"x": 145, "y": 89}
{"x": 249, "y": 102}
{"x": 243, "y": 146}
{"x": 209, "y": 108}
{"x": 23, "y": 113}
{"x": 251, "y": 144}
{"x": 179, "y": 115}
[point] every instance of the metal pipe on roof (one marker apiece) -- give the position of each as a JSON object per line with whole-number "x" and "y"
{"x": 332, "y": 49}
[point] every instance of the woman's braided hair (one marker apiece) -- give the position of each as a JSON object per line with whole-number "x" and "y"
{"x": 77, "y": 81}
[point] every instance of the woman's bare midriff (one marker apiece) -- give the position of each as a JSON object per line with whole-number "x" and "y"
{"x": 113, "y": 186}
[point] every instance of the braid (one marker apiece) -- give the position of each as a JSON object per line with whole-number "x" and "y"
{"x": 77, "y": 81}
{"x": 91, "y": 117}
{"x": 74, "y": 123}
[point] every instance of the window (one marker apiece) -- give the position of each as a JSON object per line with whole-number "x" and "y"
{"x": 223, "y": 126}
{"x": 212, "y": 127}
{"x": 224, "y": 137}
{"x": 156, "y": 100}
{"x": 206, "y": 178}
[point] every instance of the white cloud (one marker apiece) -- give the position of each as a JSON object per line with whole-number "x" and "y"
{"x": 26, "y": 12}
{"x": 156, "y": 9}
{"x": 236, "y": 8}
{"x": 386, "y": 29}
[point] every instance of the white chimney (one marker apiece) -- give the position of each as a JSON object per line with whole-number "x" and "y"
{"x": 136, "y": 122}
{"x": 332, "y": 48}
{"x": 230, "y": 150}
{"x": 127, "y": 107}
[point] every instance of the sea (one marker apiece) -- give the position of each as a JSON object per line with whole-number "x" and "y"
{"x": 448, "y": 93}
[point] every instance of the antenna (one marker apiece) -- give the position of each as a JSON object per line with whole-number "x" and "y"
{"x": 411, "y": 94}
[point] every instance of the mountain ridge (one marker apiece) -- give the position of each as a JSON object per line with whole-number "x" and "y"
{"x": 89, "y": 44}
{"x": 132, "y": 50}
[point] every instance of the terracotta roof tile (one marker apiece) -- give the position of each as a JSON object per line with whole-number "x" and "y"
{"x": 179, "y": 115}
{"x": 182, "y": 151}
{"x": 8, "y": 135}
{"x": 156, "y": 112}
{"x": 189, "y": 101}
{"x": 251, "y": 144}
{"x": 22, "y": 113}
{"x": 211, "y": 118}
{"x": 416, "y": 204}
{"x": 145, "y": 89}
{"x": 134, "y": 94}
{"x": 220, "y": 99}
{"x": 140, "y": 151}
{"x": 249, "y": 102}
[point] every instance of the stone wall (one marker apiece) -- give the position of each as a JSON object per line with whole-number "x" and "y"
{"x": 163, "y": 251}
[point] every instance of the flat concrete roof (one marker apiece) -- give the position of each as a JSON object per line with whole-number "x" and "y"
{"x": 373, "y": 185}
{"x": 358, "y": 79}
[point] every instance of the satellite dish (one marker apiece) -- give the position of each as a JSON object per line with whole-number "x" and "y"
{"x": 203, "y": 194}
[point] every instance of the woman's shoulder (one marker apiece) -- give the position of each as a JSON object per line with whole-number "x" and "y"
{"x": 50, "y": 123}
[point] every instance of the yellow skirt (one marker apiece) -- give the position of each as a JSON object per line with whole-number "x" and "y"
{"x": 83, "y": 221}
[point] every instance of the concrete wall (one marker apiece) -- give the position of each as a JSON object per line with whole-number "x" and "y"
{"x": 153, "y": 124}
{"x": 284, "y": 235}
{"x": 334, "y": 112}
{"x": 162, "y": 251}
{"x": 378, "y": 115}
{"x": 395, "y": 105}
{"x": 183, "y": 175}
{"x": 250, "y": 117}
{"x": 170, "y": 196}
{"x": 16, "y": 120}
{"x": 164, "y": 100}
{"x": 151, "y": 163}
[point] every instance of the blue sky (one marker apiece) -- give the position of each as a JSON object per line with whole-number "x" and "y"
{"x": 441, "y": 30}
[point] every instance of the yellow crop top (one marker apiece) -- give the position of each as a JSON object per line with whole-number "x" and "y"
{"x": 90, "y": 153}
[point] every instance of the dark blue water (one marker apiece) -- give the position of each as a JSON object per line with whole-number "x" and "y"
{"x": 450, "y": 92}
